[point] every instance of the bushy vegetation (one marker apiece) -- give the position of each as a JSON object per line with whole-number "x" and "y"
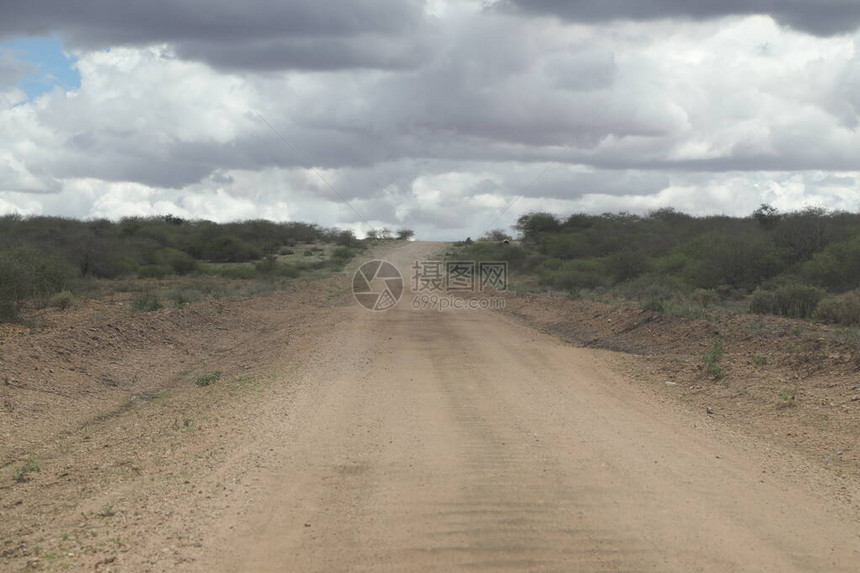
{"x": 28, "y": 272}
{"x": 794, "y": 301}
{"x": 42, "y": 259}
{"x": 789, "y": 264}
{"x": 840, "y": 309}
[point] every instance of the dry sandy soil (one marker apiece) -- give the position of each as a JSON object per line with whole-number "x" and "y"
{"x": 337, "y": 439}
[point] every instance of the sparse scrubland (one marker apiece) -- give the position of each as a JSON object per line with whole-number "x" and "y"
{"x": 803, "y": 264}
{"x": 51, "y": 261}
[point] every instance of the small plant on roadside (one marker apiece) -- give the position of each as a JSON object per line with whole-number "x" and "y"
{"x": 840, "y": 309}
{"x": 208, "y": 379}
{"x": 705, "y": 297}
{"x": 62, "y": 300}
{"x": 654, "y": 305}
{"x": 185, "y": 296}
{"x": 789, "y": 398}
{"x": 793, "y": 301}
{"x": 23, "y": 473}
{"x": 712, "y": 359}
{"x": 146, "y": 302}
{"x": 107, "y": 511}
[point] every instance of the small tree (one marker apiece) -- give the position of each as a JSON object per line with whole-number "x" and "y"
{"x": 767, "y": 216}
{"x": 496, "y": 235}
{"x": 405, "y": 234}
{"x": 533, "y": 224}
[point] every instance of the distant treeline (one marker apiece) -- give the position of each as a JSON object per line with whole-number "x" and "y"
{"x": 40, "y": 256}
{"x": 811, "y": 252}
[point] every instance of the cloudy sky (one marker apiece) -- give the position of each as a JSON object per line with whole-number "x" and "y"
{"x": 448, "y": 117}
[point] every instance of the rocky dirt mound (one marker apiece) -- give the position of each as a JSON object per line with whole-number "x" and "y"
{"x": 112, "y": 418}
{"x": 81, "y": 365}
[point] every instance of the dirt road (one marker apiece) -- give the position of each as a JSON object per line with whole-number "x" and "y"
{"x": 462, "y": 440}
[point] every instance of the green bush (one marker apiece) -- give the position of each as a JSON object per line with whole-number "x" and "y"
{"x": 153, "y": 271}
{"x": 794, "y": 301}
{"x": 270, "y": 267}
{"x": 145, "y": 302}
{"x": 711, "y": 360}
{"x": 244, "y": 272}
{"x": 183, "y": 296}
{"x": 837, "y": 267}
{"x": 342, "y": 253}
{"x": 655, "y": 305}
{"x": 266, "y": 266}
{"x": 180, "y": 262}
{"x": 208, "y": 379}
{"x": 573, "y": 280}
{"x": 27, "y": 272}
{"x": 651, "y": 286}
{"x": 63, "y": 300}
{"x": 514, "y": 255}
{"x": 741, "y": 261}
{"x": 625, "y": 265}
{"x": 231, "y": 249}
{"x": 840, "y": 309}
{"x": 705, "y": 297}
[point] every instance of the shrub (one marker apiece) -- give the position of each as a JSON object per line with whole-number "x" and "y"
{"x": 183, "y": 296}
{"x": 704, "y": 297}
{"x": 655, "y": 305}
{"x": 651, "y": 286}
{"x": 266, "y": 266}
{"x": 794, "y": 301}
{"x": 231, "y": 249}
{"x": 23, "y": 473}
{"x": 27, "y": 272}
{"x": 712, "y": 358}
{"x": 346, "y": 239}
{"x": 270, "y": 267}
{"x": 837, "y": 267}
{"x": 564, "y": 246}
{"x": 498, "y": 235}
{"x": 244, "y": 272}
{"x": 573, "y": 279}
{"x": 180, "y": 262}
{"x": 625, "y": 265}
{"x": 742, "y": 261}
{"x": 532, "y": 225}
{"x": 63, "y": 300}
{"x": 208, "y": 379}
{"x": 145, "y": 302}
{"x": 153, "y": 271}
{"x": 342, "y": 253}
{"x": 840, "y": 309}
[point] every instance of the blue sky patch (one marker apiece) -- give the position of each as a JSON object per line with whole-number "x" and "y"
{"x": 48, "y": 66}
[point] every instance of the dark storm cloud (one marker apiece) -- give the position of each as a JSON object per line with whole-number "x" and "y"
{"x": 818, "y": 17}
{"x": 252, "y": 34}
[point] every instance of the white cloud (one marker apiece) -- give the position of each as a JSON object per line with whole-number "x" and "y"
{"x": 713, "y": 116}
